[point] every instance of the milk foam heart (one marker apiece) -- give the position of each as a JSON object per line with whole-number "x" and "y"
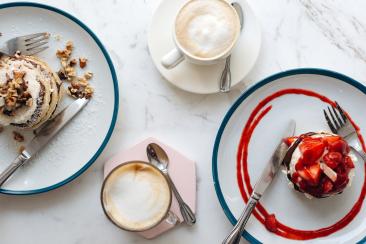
{"x": 207, "y": 28}
{"x": 136, "y": 196}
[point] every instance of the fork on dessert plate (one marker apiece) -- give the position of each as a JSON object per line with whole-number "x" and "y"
{"x": 26, "y": 45}
{"x": 340, "y": 124}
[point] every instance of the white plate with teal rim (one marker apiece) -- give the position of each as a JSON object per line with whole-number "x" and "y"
{"x": 291, "y": 208}
{"x": 80, "y": 143}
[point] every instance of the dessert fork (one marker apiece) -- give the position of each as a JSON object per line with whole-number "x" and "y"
{"x": 339, "y": 123}
{"x": 26, "y": 45}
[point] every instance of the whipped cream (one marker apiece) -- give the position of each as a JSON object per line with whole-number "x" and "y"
{"x": 32, "y": 76}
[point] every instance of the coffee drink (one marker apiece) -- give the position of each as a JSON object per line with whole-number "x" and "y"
{"x": 136, "y": 196}
{"x": 207, "y": 28}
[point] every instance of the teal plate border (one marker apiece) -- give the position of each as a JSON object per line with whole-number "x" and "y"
{"x": 250, "y": 238}
{"x": 116, "y": 96}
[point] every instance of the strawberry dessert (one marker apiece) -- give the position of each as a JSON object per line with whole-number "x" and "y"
{"x": 320, "y": 165}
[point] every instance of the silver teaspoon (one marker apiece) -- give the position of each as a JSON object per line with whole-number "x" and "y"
{"x": 158, "y": 157}
{"x": 225, "y": 79}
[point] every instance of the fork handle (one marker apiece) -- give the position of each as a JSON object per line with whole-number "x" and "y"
{"x": 359, "y": 152}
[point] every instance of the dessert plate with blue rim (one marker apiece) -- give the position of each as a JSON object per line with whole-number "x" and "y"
{"x": 291, "y": 208}
{"x": 80, "y": 143}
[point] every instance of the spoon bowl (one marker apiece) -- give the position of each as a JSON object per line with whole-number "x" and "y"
{"x": 158, "y": 157}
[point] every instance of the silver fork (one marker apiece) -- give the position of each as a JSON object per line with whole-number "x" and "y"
{"x": 26, "y": 45}
{"x": 339, "y": 124}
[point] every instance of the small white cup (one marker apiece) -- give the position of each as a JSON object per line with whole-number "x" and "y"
{"x": 178, "y": 54}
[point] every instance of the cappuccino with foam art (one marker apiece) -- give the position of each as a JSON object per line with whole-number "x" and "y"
{"x": 207, "y": 28}
{"x": 136, "y": 196}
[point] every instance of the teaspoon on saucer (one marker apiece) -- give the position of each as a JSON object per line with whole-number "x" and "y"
{"x": 225, "y": 79}
{"x": 158, "y": 157}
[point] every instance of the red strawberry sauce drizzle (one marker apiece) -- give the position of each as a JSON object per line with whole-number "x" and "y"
{"x": 244, "y": 180}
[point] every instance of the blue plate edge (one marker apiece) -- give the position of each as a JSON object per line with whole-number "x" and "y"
{"x": 232, "y": 109}
{"x": 116, "y": 96}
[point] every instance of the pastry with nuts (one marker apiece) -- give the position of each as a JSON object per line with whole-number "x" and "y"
{"x": 29, "y": 91}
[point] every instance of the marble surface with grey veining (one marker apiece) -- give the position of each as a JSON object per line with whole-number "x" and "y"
{"x": 328, "y": 34}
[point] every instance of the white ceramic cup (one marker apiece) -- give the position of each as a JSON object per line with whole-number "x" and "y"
{"x": 178, "y": 54}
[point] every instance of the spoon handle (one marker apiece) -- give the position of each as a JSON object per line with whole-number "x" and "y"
{"x": 225, "y": 79}
{"x": 185, "y": 210}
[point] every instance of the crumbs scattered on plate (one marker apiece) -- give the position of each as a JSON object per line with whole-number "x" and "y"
{"x": 79, "y": 86}
{"x": 18, "y": 137}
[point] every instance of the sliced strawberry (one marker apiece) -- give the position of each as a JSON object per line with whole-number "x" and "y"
{"x": 311, "y": 174}
{"x": 348, "y": 162}
{"x": 327, "y": 186}
{"x": 290, "y": 140}
{"x": 271, "y": 223}
{"x": 341, "y": 182}
{"x": 315, "y": 173}
{"x": 304, "y": 173}
{"x": 302, "y": 185}
{"x": 339, "y": 146}
{"x": 341, "y": 169}
{"x": 295, "y": 178}
{"x": 331, "y": 139}
{"x": 312, "y": 149}
{"x": 332, "y": 159}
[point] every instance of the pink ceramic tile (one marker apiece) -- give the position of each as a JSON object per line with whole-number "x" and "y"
{"x": 181, "y": 169}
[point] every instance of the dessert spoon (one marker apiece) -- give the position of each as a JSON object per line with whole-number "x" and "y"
{"x": 225, "y": 79}
{"x": 158, "y": 157}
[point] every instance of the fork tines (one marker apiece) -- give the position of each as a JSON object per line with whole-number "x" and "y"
{"x": 335, "y": 117}
{"x": 34, "y": 43}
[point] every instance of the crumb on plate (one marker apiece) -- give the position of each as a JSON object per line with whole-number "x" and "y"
{"x": 18, "y": 137}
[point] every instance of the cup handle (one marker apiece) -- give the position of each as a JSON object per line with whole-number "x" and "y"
{"x": 172, "y": 218}
{"x": 172, "y": 59}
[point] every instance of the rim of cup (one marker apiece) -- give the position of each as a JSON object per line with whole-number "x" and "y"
{"x": 104, "y": 204}
{"x": 219, "y": 56}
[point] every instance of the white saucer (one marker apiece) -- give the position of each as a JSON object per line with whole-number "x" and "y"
{"x": 196, "y": 78}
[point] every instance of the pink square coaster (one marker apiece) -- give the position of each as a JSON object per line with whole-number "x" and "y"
{"x": 181, "y": 169}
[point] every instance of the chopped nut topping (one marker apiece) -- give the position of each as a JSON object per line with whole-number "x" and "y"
{"x": 79, "y": 86}
{"x": 21, "y": 149}
{"x": 83, "y": 82}
{"x": 73, "y": 62}
{"x": 18, "y": 137}
{"x": 61, "y": 74}
{"x": 69, "y": 46}
{"x": 29, "y": 102}
{"x": 82, "y": 62}
{"x": 63, "y": 53}
{"x": 14, "y": 94}
{"x": 88, "y": 75}
{"x": 88, "y": 91}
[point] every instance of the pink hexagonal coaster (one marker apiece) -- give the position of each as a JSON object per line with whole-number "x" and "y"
{"x": 181, "y": 169}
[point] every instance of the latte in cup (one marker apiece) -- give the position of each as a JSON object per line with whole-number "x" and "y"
{"x": 207, "y": 28}
{"x": 136, "y": 196}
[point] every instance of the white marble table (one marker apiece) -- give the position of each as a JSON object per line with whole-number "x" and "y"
{"x": 298, "y": 33}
